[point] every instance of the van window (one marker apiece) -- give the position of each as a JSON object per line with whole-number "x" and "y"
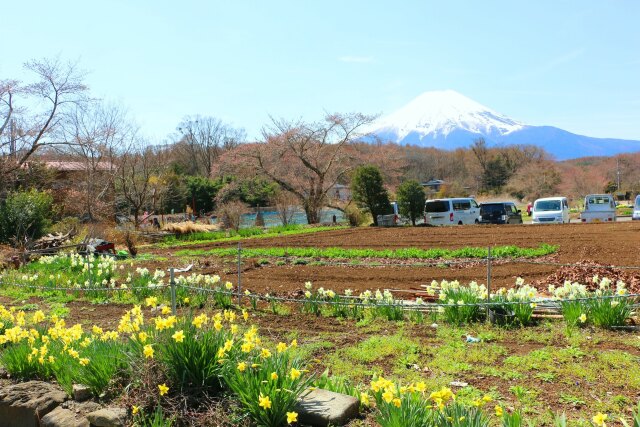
{"x": 437, "y": 206}
{"x": 565, "y": 203}
{"x": 547, "y": 205}
{"x": 461, "y": 205}
{"x": 599, "y": 200}
{"x": 492, "y": 208}
{"x": 514, "y": 209}
{"x": 637, "y": 202}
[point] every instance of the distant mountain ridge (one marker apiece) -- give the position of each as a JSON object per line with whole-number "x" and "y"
{"x": 449, "y": 120}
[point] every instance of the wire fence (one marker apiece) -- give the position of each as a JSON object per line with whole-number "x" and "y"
{"x": 542, "y": 304}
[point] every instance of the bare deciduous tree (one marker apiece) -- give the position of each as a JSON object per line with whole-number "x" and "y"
{"x": 307, "y": 159}
{"x": 136, "y": 173}
{"x": 96, "y": 135}
{"x": 285, "y": 204}
{"x": 30, "y": 113}
{"x": 202, "y": 140}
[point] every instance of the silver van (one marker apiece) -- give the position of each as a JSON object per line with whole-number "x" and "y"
{"x": 455, "y": 211}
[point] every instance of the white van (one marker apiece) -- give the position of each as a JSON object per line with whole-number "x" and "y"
{"x": 458, "y": 211}
{"x": 636, "y": 209}
{"x": 550, "y": 210}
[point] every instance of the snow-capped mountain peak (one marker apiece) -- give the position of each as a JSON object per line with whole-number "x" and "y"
{"x": 438, "y": 113}
{"x": 448, "y": 120}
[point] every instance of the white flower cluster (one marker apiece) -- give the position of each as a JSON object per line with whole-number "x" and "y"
{"x": 444, "y": 288}
{"x": 573, "y": 290}
{"x": 196, "y": 280}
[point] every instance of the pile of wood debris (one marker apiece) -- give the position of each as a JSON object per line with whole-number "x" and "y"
{"x": 584, "y": 271}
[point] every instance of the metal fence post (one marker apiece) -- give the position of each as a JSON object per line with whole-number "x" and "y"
{"x": 488, "y": 279}
{"x": 172, "y": 283}
{"x": 89, "y": 268}
{"x": 239, "y": 272}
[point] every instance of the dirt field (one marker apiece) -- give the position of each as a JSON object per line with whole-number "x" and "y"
{"x": 605, "y": 244}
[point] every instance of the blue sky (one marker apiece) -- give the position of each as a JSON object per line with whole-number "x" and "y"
{"x": 570, "y": 64}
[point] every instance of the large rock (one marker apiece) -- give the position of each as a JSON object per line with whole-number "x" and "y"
{"x": 108, "y": 417}
{"x": 24, "y": 404}
{"x": 61, "y": 417}
{"x": 320, "y": 407}
{"x": 81, "y": 392}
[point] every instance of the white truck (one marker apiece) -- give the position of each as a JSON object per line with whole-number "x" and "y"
{"x": 598, "y": 208}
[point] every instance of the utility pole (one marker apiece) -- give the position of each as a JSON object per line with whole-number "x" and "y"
{"x": 618, "y": 173}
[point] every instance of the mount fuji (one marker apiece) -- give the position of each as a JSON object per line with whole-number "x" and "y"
{"x": 449, "y": 120}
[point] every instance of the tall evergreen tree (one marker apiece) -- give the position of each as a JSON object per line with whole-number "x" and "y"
{"x": 368, "y": 191}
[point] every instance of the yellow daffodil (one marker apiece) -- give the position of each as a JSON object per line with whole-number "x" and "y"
{"x": 84, "y": 361}
{"x": 147, "y": 350}
{"x": 228, "y": 286}
{"x": 163, "y": 389}
{"x": 185, "y": 300}
{"x": 599, "y": 419}
{"x": 498, "y": 410}
{"x": 294, "y": 344}
{"x": 142, "y": 337}
{"x": 265, "y": 353}
{"x": 38, "y": 316}
{"x": 274, "y": 376}
{"x": 281, "y": 347}
{"x": 294, "y": 374}
{"x": 397, "y": 402}
{"x": 245, "y": 315}
{"x": 292, "y": 417}
{"x": 365, "y": 399}
{"x": 166, "y": 310}
{"x": 178, "y": 336}
{"x": 387, "y": 396}
{"x": 135, "y": 409}
{"x": 583, "y": 318}
{"x": 242, "y": 366}
{"x": 151, "y": 301}
{"x": 264, "y": 402}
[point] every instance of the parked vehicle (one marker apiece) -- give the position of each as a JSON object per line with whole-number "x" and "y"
{"x": 550, "y": 210}
{"x": 500, "y": 213}
{"x": 598, "y": 208}
{"x": 390, "y": 220}
{"x": 458, "y": 211}
{"x": 636, "y": 209}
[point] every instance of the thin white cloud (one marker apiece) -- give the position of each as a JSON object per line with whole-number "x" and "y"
{"x": 356, "y": 59}
{"x": 551, "y": 65}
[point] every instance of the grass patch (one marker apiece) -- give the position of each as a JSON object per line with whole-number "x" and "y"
{"x": 404, "y": 253}
{"x": 243, "y": 233}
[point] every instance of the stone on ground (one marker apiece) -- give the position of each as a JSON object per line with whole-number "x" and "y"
{"x": 24, "y": 404}
{"x": 81, "y": 392}
{"x": 320, "y": 407}
{"x": 61, "y": 417}
{"x": 108, "y": 417}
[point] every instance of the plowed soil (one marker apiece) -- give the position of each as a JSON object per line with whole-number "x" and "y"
{"x": 616, "y": 244}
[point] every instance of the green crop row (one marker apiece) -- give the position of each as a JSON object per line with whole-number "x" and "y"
{"x": 244, "y": 233}
{"x": 403, "y": 253}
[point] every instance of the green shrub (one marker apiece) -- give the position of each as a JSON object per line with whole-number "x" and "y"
{"x": 25, "y": 215}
